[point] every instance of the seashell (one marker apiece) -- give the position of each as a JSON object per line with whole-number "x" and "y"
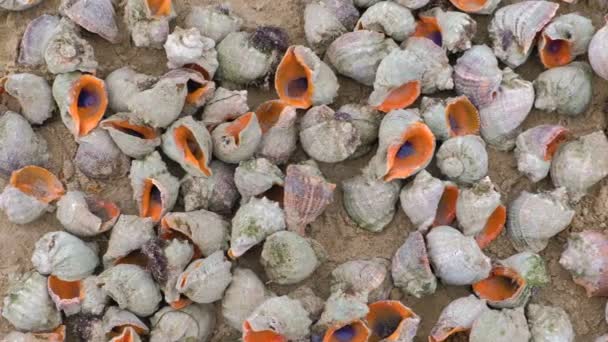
{"x": 463, "y": 159}
{"x": 217, "y": 193}
{"x": 20, "y": 145}
{"x": 535, "y": 148}
{"x": 309, "y": 300}
{"x": 585, "y": 259}
{"x": 253, "y": 177}
{"x": 33, "y": 94}
{"x": 132, "y": 288}
{"x": 148, "y": 21}
{"x": 200, "y": 90}
{"x": 358, "y": 54}
{"x": 411, "y": 269}
{"x": 276, "y": 319}
{"x": 55, "y": 335}
{"x": 480, "y": 213}
{"x": 215, "y": 22}
{"x": 368, "y": 279}
{"x": 579, "y": 164}
{"x": 391, "y": 320}
{"x": 326, "y": 20}
{"x": 162, "y": 104}
{"x": 115, "y": 320}
{"x": 306, "y": 195}
{"x": 476, "y": 7}
{"x": 457, "y": 317}
{"x": 94, "y": 299}
{"x": 225, "y": 105}
{"x": 366, "y": 120}
{"x": 327, "y": 136}
{"x": 342, "y": 318}
{"x": 477, "y": 75}
{"x": 98, "y": 156}
{"x": 500, "y": 326}
{"x": 194, "y": 322}
{"x": 302, "y": 80}
{"x": 456, "y": 259}
{"x": 428, "y": 201}
{"x": 389, "y": 18}
{"x": 67, "y": 52}
{"x": 85, "y": 215}
{"x": 529, "y": 231}
{"x": 368, "y": 3}
{"x": 27, "y": 305}
{"x": 205, "y": 280}
{"x": 64, "y": 256}
{"x": 129, "y": 234}
{"x": 123, "y": 84}
{"x": 514, "y": 28}
{"x": 36, "y": 38}
{"x": 131, "y": 135}
{"x": 82, "y": 100}
{"x": 597, "y": 53}
{"x": 433, "y": 63}
{"x": 412, "y": 4}
{"x": 549, "y": 323}
{"x": 154, "y": 188}
{"x": 188, "y": 143}
{"x": 370, "y": 202}
{"x": 187, "y": 46}
{"x": 245, "y": 293}
{"x": 405, "y": 146}
{"x": 279, "y": 136}
{"x": 238, "y": 140}
{"x": 566, "y": 37}
{"x": 178, "y": 255}
{"x": 29, "y": 194}
{"x": 97, "y": 17}
{"x": 65, "y": 294}
{"x": 455, "y": 116}
{"x": 206, "y": 230}
{"x": 449, "y": 29}
{"x": 289, "y": 258}
{"x": 566, "y": 89}
{"x": 18, "y": 5}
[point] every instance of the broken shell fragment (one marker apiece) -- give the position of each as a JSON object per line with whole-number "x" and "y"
{"x": 245, "y": 293}
{"x": 134, "y": 138}
{"x": 148, "y": 21}
{"x": 535, "y": 148}
{"x": 255, "y": 176}
{"x": 506, "y": 325}
{"x": 94, "y": 16}
{"x": 162, "y": 104}
{"x": 124, "y": 83}
{"x": 215, "y": 22}
{"x": 67, "y": 52}
{"x": 549, "y": 323}
{"x": 225, "y": 105}
{"x": 36, "y": 38}
{"x": 368, "y": 279}
{"x": 326, "y": 20}
{"x": 86, "y": 215}
{"x": 389, "y": 18}
{"x": 185, "y": 47}
{"x": 598, "y": 55}
{"x": 463, "y": 159}
{"x": 457, "y": 317}
{"x": 392, "y": 321}
{"x": 277, "y": 319}
{"x": 217, "y": 193}
{"x": 206, "y": 230}
{"x": 188, "y": 142}
{"x": 279, "y": 132}
{"x": 20, "y": 145}
{"x": 476, "y": 7}
{"x": 411, "y": 269}
{"x": 585, "y": 259}
{"x": 343, "y": 317}
{"x": 205, "y": 280}
{"x": 66, "y": 295}
{"x": 565, "y": 89}
{"x": 451, "y": 30}
{"x": 132, "y": 288}
{"x": 566, "y": 37}
{"x": 33, "y": 94}
{"x": 194, "y": 322}
{"x": 98, "y": 156}
{"x": 477, "y": 75}
{"x": 129, "y": 234}
{"x": 452, "y": 117}
{"x": 238, "y": 140}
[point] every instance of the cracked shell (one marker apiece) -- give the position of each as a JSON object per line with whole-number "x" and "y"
{"x": 215, "y": 22}
{"x": 33, "y": 94}
{"x": 132, "y": 288}
{"x": 326, "y": 20}
{"x": 253, "y": 177}
{"x": 458, "y": 316}
{"x": 20, "y": 145}
{"x": 368, "y": 279}
{"x": 185, "y": 47}
{"x": 225, "y": 105}
{"x": 391, "y": 320}
{"x": 148, "y": 21}
{"x": 188, "y": 143}
{"x": 463, "y": 159}
{"x": 411, "y": 268}
{"x": 455, "y": 116}
{"x": 86, "y": 215}
{"x": 94, "y": 16}
{"x": 36, "y": 38}
{"x": 205, "y": 280}
{"x": 501, "y": 326}
{"x": 134, "y": 138}
{"x": 549, "y": 323}
{"x": 162, "y": 104}
{"x": 598, "y": 54}
{"x": 124, "y": 83}
{"x": 237, "y": 140}
{"x": 98, "y": 156}
{"x": 217, "y": 193}
{"x": 66, "y": 51}
{"x": 477, "y": 75}
{"x": 194, "y": 322}
{"x": 208, "y": 231}
{"x": 535, "y": 148}
{"x": 279, "y": 132}
{"x": 277, "y": 318}
{"x": 129, "y": 234}
{"x": 566, "y": 89}
{"x": 451, "y": 30}
{"x": 245, "y": 293}
{"x": 64, "y": 256}
{"x": 585, "y": 257}
{"x": 389, "y": 18}
{"x": 566, "y": 37}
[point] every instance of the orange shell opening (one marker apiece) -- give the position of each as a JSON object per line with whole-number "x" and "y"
{"x": 428, "y": 27}
{"x": 57, "y": 335}
{"x": 126, "y": 335}
{"x": 502, "y": 284}
{"x": 293, "y": 81}
{"x": 119, "y": 329}
{"x": 196, "y": 90}
{"x": 355, "y": 331}
{"x": 260, "y": 336}
{"x": 65, "y": 290}
{"x": 88, "y": 103}
{"x": 105, "y": 210}
{"x": 138, "y": 131}
{"x": 401, "y": 97}
{"x": 152, "y": 203}
{"x": 385, "y": 319}
{"x": 200, "y": 69}
{"x": 193, "y": 153}
{"x": 452, "y": 334}
{"x": 134, "y": 258}
{"x": 169, "y": 232}
{"x": 159, "y": 8}
{"x": 469, "y": 5}
{"x": 181, "y": 303}
{"x": 446, "y": 210}
{"x": 493, "y": 227}
{"x": 555, "y": 142}
{"x": 239, "y": 125}
{"x": 462, "y": 117}
{"x": 38, "y": 182}
{"x": 269, "y": 113}
{"x": 555, "y": 53}
{"x": 415, "y": 149}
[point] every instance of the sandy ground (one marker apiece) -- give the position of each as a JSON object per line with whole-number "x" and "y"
{"x": 342, "y": 239}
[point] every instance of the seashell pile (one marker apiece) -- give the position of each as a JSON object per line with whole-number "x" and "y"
{"x": 223, "y": 185}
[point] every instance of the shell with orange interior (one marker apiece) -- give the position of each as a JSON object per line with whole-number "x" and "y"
{"x": 566, "y": 89}
{"x": 205, "y": 280}
{"x": 277, "y": 319}
{"x": 217, "y": 193}
{"x": 20, "y": 145}
{"x": 451, "y": 30}
{"x": 86, "y": 215}
{"x": 366, "y": 120}
{"x": 148, "y": 21}
{"x": 129, "y": 234}
{"x": 451, "y": 117}
{"x": 585, "y": 257}
{"x": 390, "y": 320}
{"x": 549, "y": 323}
{"x": 33, "y": 94}
{"x": 123, "y": 83}
{"x": 134, "y": 138}
{"x": 225, "y": 105}
{"x": 116, "y": 320}
{"x": 343, "y": 319}
{"x": 98, "y": 156}
{"x": 178, "y": 253}
{"x": 66, "y": 51}
{"x": 476, "y": 6}
{"x": 389, "y": 18}
{"x": 566, "y": 37}
{"x": 457, "y": 318}
{"x": 188, "y": 48}
{"x": 205, "y": 230}
{"x": 598, "y": 57}
{"x": 188, "y": 142}
{"x": 66, "y": 295}
{"x": 432, "y": 62}
{"x": 477, "y": 75}
{"x": 132, "y": 288}
{"x": 161, "y": 104}
{"x": 326, "y": 20}
{"x": 94, "y": 298}
{"x": 279, "y": 131}
{"x": 237, "y": 140}
{"x": 128, "y": 334}
{"x": 97, "y": 17}
{"x": 253, "y": 177}
{"x": 504, "y": 325}
{"x": 200, "y": 89}
{"x": 194, "y": 322}
{"x": 368, "y": 279}
{"x": 463, "y": 159}
{"x": 29, "y": 194}
{"x": 213, "y": 21}
{"x": 535, "y": 147}
{"x": 245, "y": 293}
{"x": 57, "y": 335}
{"x": 35, "y": 39}
{"x": 411, "y": 268}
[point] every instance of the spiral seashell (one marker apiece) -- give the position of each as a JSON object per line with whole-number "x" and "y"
{"x": 279, "y": 133}
{"x": 457, "y": 317}
{"x": 188, "y": 142}
{"x": 132, "y": 288}
{"x": 178, "y": 255}
{"x": 302, "y": 80}
{"x": 129, "y": 234}
{"x": 205, "y": 280}
{"x": 277, "y": 318}
{"x": 20, "y": 145}
{"x": 66, "y": 294}
{"x": 306, "y": 195}
{"x": 405, "y": 146}
{"x": 455, "y": 116}
{"x": 391, "y": 320}
{"x": 451, "y": 30}
{"x": 463, "y": 159}
{"x": 579, "y": 164}
{"x": 326, "y": 20}
{"x": 217, "y": 193}
{"x": 186, "y": 47}
{"x": 598, "y": 56}
{"x": 456, "y": 259}
{"x": 85, "y": 215}
{"x": 343, "y": 317}
{"x": 368, "y": 279}
{"x": 585, "y": 259}
{"x": 27, "y": 305}
{"x": 535, "y": 148}
{"x": 389, "y": 18}
{"x": 255, "y": 176}
{"x": 56, "y": 335}
{"x": 148, "y": 21}
{"x": 215, "y": 22}
{"x": 370, "y": 202}
{"x": 477, "y": 75}
{"x": 98, "y": 156}
{"x": 476, "y": 7}
{"x": 66, "y": 51}
{"x": 134, "y": 138}
{"x": 566, "y": 37}
{"x": 97, "y": 17}
{"x": 200, "y": 90}
{"x": 566, "y": 89}
{"x": 115, "y": 320}
{"x": 549, "y": 323}
{"x": 225, "y": 105}
{"x": 162, "y": 104}
{"x": 245, "y": 293}
{"x": 238, "y": 140}
{"x": 195, "y": 322}
{"x": 36, "y": 38}
{"x": 411, "y": 269}
{"x": 501, "y": 326}
{"x": 207, "y": 231}
{"x": 33, "y": 94}
{"x": 122, "y": 84}
{"x": 514, "y": 28}
{"x": 328, "y": 136}
{"x": 154, "y": 188}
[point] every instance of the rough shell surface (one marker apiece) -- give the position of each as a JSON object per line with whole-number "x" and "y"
{"x": 160, "y": 105}
{"x": 457, "y": 28}
{"x": 95, "y": 298}
{"x": 567, "y": 90}
{"x": 94, "y": 16}
{"x": 124, "y": 83}
{"x": 432, "y": 62}
{"x": 389, "y": 18}
{"x": 463, "y": 159}
{"x": 534, "y": 150}
{"x": 458, "y": 314}
{"x": 326, "y": 20}
{"x": 238, "y": 140}
{"x": 188, "y": 46}
{"x": 420, "y": 199}
{"x": 255, "y": 176}
{"x": 207, "y": 230}
{"x": 132, "y": 288}
{"x": 129, "y": 234}
{"x": 225, "y": 105}
{"x": 366, "y": 120}
{"x": 411, "y": 268}
{"x": 33, "y": 93}
{"x": 205, "y": 280}
{"x": 281, "y": 315}
{"x": 368, "y": 279}
{"x": 549, "y": 323}
{"x": 98, "y": 156}
{"x": 86, "y": 215}
{"x": 35, "y": 39}
{"x": 440, "y": 116}
{"x": 341, "y": 307}
{"x": 67, "y": 51}
{"x": 194, "y": 322}
{"x": 506, "y": 325}
{"x": 215, "y": 22}
{"x": 178, "y": 254}
{"x": 585, "y": 259}
{"x": 192, "y": 152}
{"x": 477, "y": 75}
{"x": 147, "y": 29}
{"x": 475, "y": 205}
{"x": 18, "y": 5}
{"x": 573, "y": 29}
{"x": 114, "y": 318}
{"x": 217, "y": 193}
{"x": 245, "y": 293}
{"x": 20, "y": 145}
{"x": 598, "y": 53}
{"x": 312, "y": 303}
{"x": 132, "y": 144}
{"x": 279, "y": 140}
{"x": 64, "y": 256}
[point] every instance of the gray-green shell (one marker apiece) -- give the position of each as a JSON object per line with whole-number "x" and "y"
{"x": 207, "y": 230}
{"x": 131, "y": 145}
{"x": 20, "y": 145}
{"x": 217, "y": 193}
{"x": 463, "y": 159}
{"x": 410, "y": 267}
{"x": 282, "y": 315}
{"x": 124, "y": 83}
{"x": 215, "y": 22}
{"x": 21, "y": 208}
{"x": 231, "y": 150}
{"x": 366, "y": 120}
{"x": 389, "y": 18}
{"x": 549, "y": 324}
{"x": 323, "y": 78}
{"x": 567, "y": 89}
{"x": 129, "y": 234}
{"x": 195, "y": 322}
{"x": 254, "y": 222}
{"x": 368, "y": 279}
{"x": 34, "y": 95}
{"x": 420, "y": 198}
{"x": 64, "y": 256}
{"x": 240, "y": 62}
{"x": 201, "y": 136}
{"x": 160, "y": 105}
{"x": 255, "y": 176}
{"x": 132, "y": 288}
{"x": 326, "y": 20}
{"x": 205, "y": 280}
{"x": 243, "y": 296}
{"x": 507, "y": 325}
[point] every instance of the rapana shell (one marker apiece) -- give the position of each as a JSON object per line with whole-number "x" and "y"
{"x": 389, "y": 18}
{"x": 205, "y": 280}
{"x": 279, "y": 131}
{"x": 178, "y": 254}
{"x": 514, "y": 28}
{"x": 463, "y": 159}
{"x": 56, "y": 335}
{"x": 134, "y": 138}
{"x": 245, "y": 293}
{"x": 566, "y": 89}
{"x": 200, "y": 90}
{"x": 27, "y": 305}
{"x": 306, "y": 195}
{"x": 162, "y": 104}
{"x": 312, "y": 303}
{"x": 535, "y": 147}
{"x": 132, "y": 288}
{"x": 18, "y": 5}
{"x": 35, "y": 39}
{"x": 129, "y": 234}
{"x": 598, "y": 53}
{"x": 451, "y": 30}
{"x": 124, "y": 83}
{"x": 115, "y": 319}
{"x": 366, "y": 120}
{"x": 530, "y": 231}
{"x": 187, "y": 46}
{"x": 457, "y": 316}
{"x": 86, "y": 215}
{"x": 188, "y": 142}
{"x": 217, "y": 193}
{"x": 215, "y": 22}
{"x": 148, "y": 22}
{"x": 94, "y": 16}
{"x": 20, "y": 145}
{"x": 278, "y": 317}
{"x": 580, "y": 164}
{"x": 391, "y": 320}
{"x": 477, "y": 75}
{"x": 94, "y": 299}
{"x": 585, "y": 257}
{"x": 411, "y": 269}
{"x": 65, "y": 294}
{"x": 326, "y": 20}
{"x": 33, "y": 94}
{"x": 98, "y": 156}
{"x": 549, "y": 323}
{"x": 476, "y": 7}
{"x": 566, "y": 37}
{"x": 342, "y": 310}
{"x": 225, "y": 105}
{"x": 289, "y": 258}
{"x": 327, "y": 136}
{"x": 432, "y": 62}
{"x": 502, "y": 117}
{"x": 66, "y": 51}
{"x": 237, "y": 140}
{"x": 195, "y": 322}
{"x": 456, "y": 259}
{"x": 255, "y": 176}
{"x": 369, "y": 279}
{"x": 370, "y": 202}
{"x": 208, "y": 231}
{"x": 451, "y": 117}
{"x": 507, "y": 325}
{"x": 358, "y": 54}
{"x": 64, "y": 256}
{"x": 127, "y": 334}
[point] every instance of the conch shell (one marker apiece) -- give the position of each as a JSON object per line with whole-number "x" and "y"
{"x": 411, "y": 269}
{"x": 66, "y": 294}
{"x": 161, "y": 104}
{"x": 134, "y": 138}
{"x": 33, "y": 94}
{"x": 205, "y": 280}
{"x": 391, "y": 320}
{"x": 194, "y": 322}
{"x": 132, "y": 288}
{"x": 188, "y": 142}
{"x": 217, "y": 193}
{"x": 585, "y": 258}
{"x": 457, "y": 317}
{"x": 187, "y": 47}
{"x": 565, "y": 89}
{"x": 326, "y": 20}
{"x": 124, "y": 83}
{"x": 566, "y": 37}
{"x": 253, "y": 177}
{"x": 476, "y": 7}
{"x": 94, "y": 16}
{"x": 451, "y": 117}
{"x": 238, "y": 140}
{"x": 36, "y": 38}
{"x": 215, "y": 22}
{"x": 130, "y": 233}
{"x": 225, "y": 105}
{"x": 598, "y": 55}
{"x": 506, "y": 325}
{"x": 20, "y": 145}
{"x": 199, "y": 89}
{"x": 389, "y": 18}
{"x": 245, "y": 293}
{"x": 277, "y": 319}
{"x": 463, "y": 159}
{"x": 549, "y": 323}
{"x": 207, "y": 231}
{"x": 535, "y": 149}
{"x": 85, "y": 215}
{"x": 66, "y": 51}
{"x": 98, "y": 156}
{"x": 477, "y": 75}
{"x": 343, "y": 314}
{"x": 148, "y": 21}
{"x": 368, "y": 279}
{"x": 451, "y": 30}
{"x": 279, "y": 132}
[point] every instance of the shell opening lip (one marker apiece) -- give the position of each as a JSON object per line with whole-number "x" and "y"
{"x": 355, "y": 331}
{"x": 181, "y": 303}
{"x": 555, "y": 52}
{"x": 503, "y": 283}
{"x": 428, "y": 27}
{"x": 494, "y": 226}
{"x": 88, "y": 103}
{"x": 152, "y": 203}
{"x": 401, "y": 97}
{"x": 200, "y": 69}
{"x": 65, "y": 290}
{"x": 415, "y": 149}
{"x": 462, "y": 117}
{"x": 193, "y": 153}
{"x": 269, "y": 113}
{"x": 138, "y": 131}
{"x": 196, "y": 91}
{"x": 293, "y": 81}
{"x": 159, "y": 8}
{"x": 260, "y": 336}
{"x": 446, "y": 210}
{"x": 385, "y": 319}
{"x": 170, "y": 232}
{"x": 469, "y": 5}
{"x": 38, "y": 182}
{"x": 239, "y": 125}
{"x": 555, "y": 142}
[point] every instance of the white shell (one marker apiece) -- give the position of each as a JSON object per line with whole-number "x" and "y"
{"x": 21, "y": 208}
{"x": 132, "y": 288}
{"x": 432, "y": 62}
{"x": 282, "y": 315}
{"x": 33, "y": 93}
{"x": 549, "y": 323}
{"x": 477, "y": 75}
{"x": 326, "y": 20}
{"x": 215, "y": 22}
{"x": 98, "y": 156}
{"x": 567, "y": 89}
{"x": 463, "y": 159}
{"x": 598, "y": 54}
{"x": 411, "y": 269}
{"x": 133, "y": 145}
{"x": 420, "y": 199}
{"x": 20, "y": 145}
{"x": 475, "y": 205}
{"x": 368, "y": 279}
{"x": 66, "y": 51}
{"x": 207, "y": 230}
{"x": 245, "y": 293}
{"x": 531, "y": 150}
{"x": 457, "y": 28}
{"x": 160, "y": 105}
{"x": 390, "y": 18}
{"x": 124, "y": 83}
{"x": 234, "y": 149}
{"x": 458, "y": 314}
{"x": 205, "y": 280}
{"x": 202, "y": 139}
{"x": 95, "y": 298}
{"x": 225, "y": 105}
{"x": 81, "y": 214}
{"x": 217, "y": 193}
{"x": 188, "y": 46}
{"x": 507, "y": 325}
{"x": 255, "y": 176}
{"x": 129, "y": 234}
{"x": 573, "y": 28}
{"x": 195, "y": 322}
